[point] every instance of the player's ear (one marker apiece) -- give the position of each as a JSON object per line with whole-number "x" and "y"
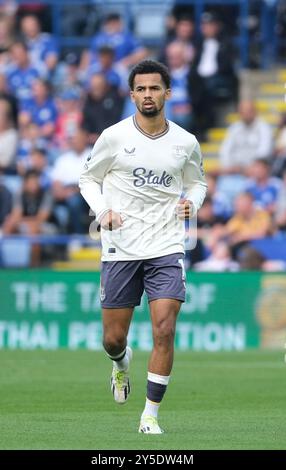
{"x": 168, "y": 93}
{"x": 132, "y": 96}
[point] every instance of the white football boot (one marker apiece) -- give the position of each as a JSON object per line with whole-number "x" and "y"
{"x": 149, "y": 425}
{"x": 120, "y": 385}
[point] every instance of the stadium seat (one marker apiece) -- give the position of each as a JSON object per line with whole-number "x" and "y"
{"x": 273, "y": 248}
{"x": 15, "y": 253}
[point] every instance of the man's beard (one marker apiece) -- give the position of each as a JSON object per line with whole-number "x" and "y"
{"x": 150, "y": 112}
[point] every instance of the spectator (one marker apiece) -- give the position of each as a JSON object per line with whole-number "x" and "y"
{"x": 8, "y": 9}
{"x": 5, "y": 204}
{"x": 219, "y": 260}
{"x": 250, "y": 259}
{"x": 212, "y": 78}
{"x": 248, "y": 223}
{"x": 208, "y": 222}
{"x": 280, "y": 139}
{"x": 6, "y": 95}
{"x": 67, "y": 75}
{"x": 115, "y": 74}
{"x": 209, "y": 228}
{"x": 42, "y": 47}
{"x": 8, "y": 137}
{"x": 21, "y": 74}
{"x": 37, "y": 160}
{"x": 177, "y": 61}
{"x": 65, "y": 183}
{"x": 221, "y": 204}
{"x": 185, "y": 32}
{"x": 169, "y": 30}
{"x": 40, "y": 9}
{"x": 279, "y": 163}
{"x": 29, "y": 138}
{"x": 69, "y": 119}
{"x": 128, "y": 50}
{"x": 40, "y": 109}
{"x": 184, "y": 29}
{"x": 246, "y": 141}
{"x": 280, "y": 208}
{"x": 6, "y": 40}
{"x": 102, "y": 107}
{"x": 263, "y": 188}
{"x": 31, "y": 212}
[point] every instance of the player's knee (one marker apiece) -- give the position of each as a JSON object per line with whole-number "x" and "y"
{"x": 114, "y": 344}
{"x": 164, "y": 333}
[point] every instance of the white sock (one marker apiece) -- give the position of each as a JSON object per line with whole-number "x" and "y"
{"x": 151, "y": 408}
{"x": 123, "y": 364}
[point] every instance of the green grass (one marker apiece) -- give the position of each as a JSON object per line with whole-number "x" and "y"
{"x": 61, "y": 400}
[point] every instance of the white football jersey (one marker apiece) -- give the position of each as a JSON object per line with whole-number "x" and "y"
{"x": 142, "y": 177}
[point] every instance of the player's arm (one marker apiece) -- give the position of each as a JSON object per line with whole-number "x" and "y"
{"x": 97, "y": 165}
{"x": 194, "y": 184}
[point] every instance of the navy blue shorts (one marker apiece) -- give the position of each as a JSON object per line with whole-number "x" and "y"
{"x": 122, "y": 282}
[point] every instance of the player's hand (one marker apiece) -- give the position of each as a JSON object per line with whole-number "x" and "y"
{"x": 111, "y": 221}
{"x": 184, "y": 209}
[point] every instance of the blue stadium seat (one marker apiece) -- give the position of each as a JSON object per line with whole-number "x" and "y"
{"x": 273, "y": 248}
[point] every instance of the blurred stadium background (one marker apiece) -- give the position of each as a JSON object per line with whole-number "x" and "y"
{"x": 63, "y": 79}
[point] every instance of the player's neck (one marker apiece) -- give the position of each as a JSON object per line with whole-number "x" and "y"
{"x": 151, "y": 125}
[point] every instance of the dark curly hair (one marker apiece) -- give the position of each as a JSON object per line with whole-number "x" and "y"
{"x": 150, "y": 66}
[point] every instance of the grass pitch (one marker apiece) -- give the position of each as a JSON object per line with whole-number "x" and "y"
{"x": 61, "y": 400}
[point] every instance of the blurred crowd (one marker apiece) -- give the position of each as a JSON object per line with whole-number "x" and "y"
{"x": 54, "y": 107}
{"x": 246, "y": 197}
